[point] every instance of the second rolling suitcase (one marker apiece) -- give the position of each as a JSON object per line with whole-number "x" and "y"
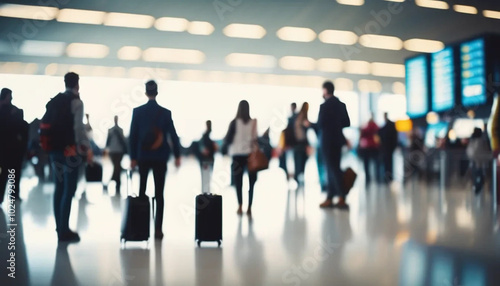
{"x": 208, "y": 218}
{"x": 136, "y": 217}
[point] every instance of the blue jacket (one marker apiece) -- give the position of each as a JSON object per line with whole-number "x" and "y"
{"x": 144, "y": 118}
{"x": 332, "y": 119}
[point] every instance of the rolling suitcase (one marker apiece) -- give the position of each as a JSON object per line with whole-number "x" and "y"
{"x": 208, "y": 218}
{"x": 136, "y": 216}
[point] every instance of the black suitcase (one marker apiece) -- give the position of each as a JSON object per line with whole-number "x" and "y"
{"x": 136, "y": 216}
{"x": 93, "y": 173}
{"x": 208, "y": 218}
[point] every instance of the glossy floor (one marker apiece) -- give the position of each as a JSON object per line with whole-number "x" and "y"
{"x": 411, "y": 235}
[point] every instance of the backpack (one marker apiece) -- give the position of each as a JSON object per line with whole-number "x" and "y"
{"x": 56, "y": 127}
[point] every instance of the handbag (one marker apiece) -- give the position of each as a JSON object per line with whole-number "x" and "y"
{"x": 257, "y": 160}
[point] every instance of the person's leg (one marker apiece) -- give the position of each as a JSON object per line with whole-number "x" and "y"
{"x": 336, "y": 156}
{"x": 144, "y": 167}
{"x": 300, "y": 156}
{"x": 387, "y": 158}
{"x": 366, "y": 163}
{"x": 57, "y": 166}
{"x": 283, "y": 164}
{"x": 252, "y": 177}
{"x": 159, "y": 174}
{"x": 71, "y": 170}
{"x": 238, "y": 167}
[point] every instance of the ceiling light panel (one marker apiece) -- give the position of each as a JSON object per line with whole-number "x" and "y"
{"x": 129, "y": 20}
{"x": 28, "y": 12}
{"x": 423, "y": 45}
{"x": 330, "y": 65}
{"x": 351, "y": 2}
{"x": 251, "y": 60}
{"x": 388, "y": 70}
{"x": 434, "y": 4}
{"x": 81, "y": 16}
{"x": 465, "y": 9}
{"x": 296, "y": 34}
{"x": 179, "y": 56}
{"x": 244, "y": 31}
{"x": 357, "y": 67}
{"x": 200, "y": 28}
{"x": 42, "y": 48}
{"x": 84, "y": 50}
{"x": 298, "y": 63}
{"x": 381, "y": 42}
{"x": 129, "y": 53}
{"x": 171, "y": 24}
{"x": 338, "y": 37}
{"x": 491, "y": 14}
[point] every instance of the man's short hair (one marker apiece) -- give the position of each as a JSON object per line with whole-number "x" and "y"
{"x": 294, "y": 105}
{"x": 5, "y": 93}
{"x": 71, "y": 80}
{"x": 330, "y": 88}
{"x": 151, "y": 88}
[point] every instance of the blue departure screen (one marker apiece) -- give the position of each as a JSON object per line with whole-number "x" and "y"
{"x": 472, "y": 58}
{"x": 416, "y": 86}
{"x": 443, "y": 81}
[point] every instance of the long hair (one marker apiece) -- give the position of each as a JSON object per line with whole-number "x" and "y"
{"x": 243, "y": 111}
{"x": 303, "y": 111}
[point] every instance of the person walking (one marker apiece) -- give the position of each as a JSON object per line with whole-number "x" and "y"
{"x": 13, "y": 145}
{"x": 69, "y": 147}
{"x": 288, "y": 139}
{"x": 206, "y": 149}
{"x": 332, "y": 118}
{"x": 369, "y": 149}
{"x": 116, "y": 145}
{"x": 300, "y": 149}
{"x": 479, "y": 152}
{"x": 150, "y": 129}
{"x": 242, "y": 139}
{"x": 388, "y": 143}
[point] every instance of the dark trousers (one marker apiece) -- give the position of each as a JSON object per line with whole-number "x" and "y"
{"x": 332, "y": 157}
{"x": 65, "y": 173}
{"x": 300, "y": 158}
{"x": 371, "y": 155}
{"x": 4, "y": 178}
{"x": 477, "y": 177}
{"x": 387, "y": 158}
{"x": 159, "y": 173}
{"x": 283, "y": 162}
{"x": 240, "y": 164}
{"x": 116, "y": 160}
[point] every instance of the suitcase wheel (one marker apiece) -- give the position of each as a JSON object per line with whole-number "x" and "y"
{"x": 199, "y": 243}
{"x": 219, "y": 243}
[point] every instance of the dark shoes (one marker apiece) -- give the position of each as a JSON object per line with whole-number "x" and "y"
{"x": 329, "y": 204}
{"x": 69, "y": 236}
{"x": 326, "y": 204}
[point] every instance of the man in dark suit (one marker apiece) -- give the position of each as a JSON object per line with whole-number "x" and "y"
{"x": 388, "y": 143}
{"x": 149, "y": 149}
{"x": 13, "y": 144}
{"x": 332, "y": 119}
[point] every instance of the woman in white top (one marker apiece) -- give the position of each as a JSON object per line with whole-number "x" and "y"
{"x": 242, "y": 139}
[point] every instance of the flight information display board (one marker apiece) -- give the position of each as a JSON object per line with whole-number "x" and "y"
{"x": 473, "y": 76}
{"x": 443, "y": 80}
{"x": 417, "y": 88}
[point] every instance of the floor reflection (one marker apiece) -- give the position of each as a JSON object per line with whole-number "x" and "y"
{"x": 63, "y": 273}
{"x": 248, "y": 255}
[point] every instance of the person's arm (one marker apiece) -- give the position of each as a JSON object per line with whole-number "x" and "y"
{"x": 228, "y": 139}
{"x": 174, "y": 137}
{"x": 81, "y": 138}
{"x": 134, "y": 137}
{"x": 346, "y": 122}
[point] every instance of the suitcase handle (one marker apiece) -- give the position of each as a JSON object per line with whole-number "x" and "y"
{"x": 129, "y": 173}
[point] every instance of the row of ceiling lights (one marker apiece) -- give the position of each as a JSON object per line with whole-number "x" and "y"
{"x": 343, "y": 84}
{"x": 187, "y": 56}
{"x": 236, "y": 30}
{"x": 435, "y": 4}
